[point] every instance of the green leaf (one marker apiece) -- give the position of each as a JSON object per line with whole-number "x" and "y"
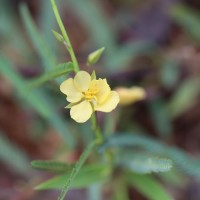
{"x": 50, "y": 165}
{"x": 185, "y": 97}
{"x": 13, "y": 156}
{"x": 58, "y": 36}
{"x": 9, "y": 24}
{"x": 46, "y": 21}
{"x": 41, "y": 46}
{"x": 38, "y": 100}
{"x": 169, "y": 72}
{"x": 88, "y": 175}
{"x": 148, "y": 187}
{"x": 92, "y": 15}
{"x": 59, "y": 70}
{"x": 161, "y": 117}
{"x": 144, "y": 163}
{"x": 174, "y": 178}
{"x": 76, "y": 169}
{"x": 188, "y": 18}
{"x": 95, "y": 56}
{"x": 180, "y": 158}
{"x": 126, "y": 53}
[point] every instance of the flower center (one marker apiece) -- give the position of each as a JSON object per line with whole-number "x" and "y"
{"x": 90, "y": 94}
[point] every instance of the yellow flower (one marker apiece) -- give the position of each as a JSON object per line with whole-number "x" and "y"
{"x": 87, "y": 94}
{"x": 130, "y": 95}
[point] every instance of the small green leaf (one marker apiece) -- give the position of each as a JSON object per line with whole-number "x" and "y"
{"x": 58, "y": 71}
{"x": 95, "y": 56}
{"x": 93, "y": 75}
{"x": 58, "y": 36}
{"x": 50, "y": 165}
{"x": 87, "y": 176}
{"x": 148, "y": 186}
{"x": 71, "y": 104}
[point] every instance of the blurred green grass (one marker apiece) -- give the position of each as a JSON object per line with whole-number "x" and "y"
{"x": 119, "y": 57}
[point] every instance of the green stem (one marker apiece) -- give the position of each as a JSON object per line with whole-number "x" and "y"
{"x": 58, "y": 71}
{"x": 77, "y": 168}
{"x": 96, "y": 129}
{"x": 65, "y": 36}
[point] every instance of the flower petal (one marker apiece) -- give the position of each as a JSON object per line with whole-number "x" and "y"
{"x": 109, "y": 104}
{"x": 82, "y": 81}
{"x": 67, "y": 87}
{"x": 104, "y": 90}
{"x": 81, "y": 112}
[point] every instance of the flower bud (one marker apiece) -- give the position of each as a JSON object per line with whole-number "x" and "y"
{"x": 130, "y": 95}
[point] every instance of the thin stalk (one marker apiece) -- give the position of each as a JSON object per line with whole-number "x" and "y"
{"x": 96, "y": 129}
{"x": 65, "y": 36}
{"x": 58, "y": 71}
{"x": 77, "y": 168}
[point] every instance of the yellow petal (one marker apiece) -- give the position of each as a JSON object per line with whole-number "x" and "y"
{"x": 109, "y": 104}
{"x": 67, "y": 87}
{"x": 130, "y": 95}
{"x": 82, "y": 81}
{"x": 104, "y": 90}
{"x": 81, "y": 112}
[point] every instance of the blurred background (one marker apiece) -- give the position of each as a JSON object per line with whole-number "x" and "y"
{"x": 149, "y": 43}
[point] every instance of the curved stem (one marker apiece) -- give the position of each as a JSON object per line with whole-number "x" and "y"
{"x": 65, "y": 36}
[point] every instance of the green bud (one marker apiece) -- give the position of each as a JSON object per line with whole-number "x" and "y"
{"x": 95, "y": 56}
{"x": 58, "y": 36}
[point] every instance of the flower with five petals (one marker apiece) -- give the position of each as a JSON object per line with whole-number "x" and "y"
{"x": 87, "y": 94}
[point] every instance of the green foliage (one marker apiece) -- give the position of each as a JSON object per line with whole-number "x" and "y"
{"x": 174, "y": 177}
{"x": 161, "y": 117}
{"x": 46, "y": 21}
{"x": 46, "y": 55}
{"x": 50, "y": 165}
{"x": 102, "y": 33}
{"x": 144, "y": 163}
{"x": 188, "y": 18}
{"x": 97, "y": 26}
{"x": 180, "y": 159}
{"x": 65, "y": 36}
{"x": 13, "y": 156}
{"x": 148, "y": 186}
{"x": 184, "y": 98}
{"x": 137, "y": 154}
{"x": 61, "y": 69}
{"x": 169, "y": 72}
{"x": 36, "y": 99}
{"x": 76, "y": 169}
{"x": 87, "y": 176}
{"x": 95, "y": 56}
{"x": 8, "y": 26}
